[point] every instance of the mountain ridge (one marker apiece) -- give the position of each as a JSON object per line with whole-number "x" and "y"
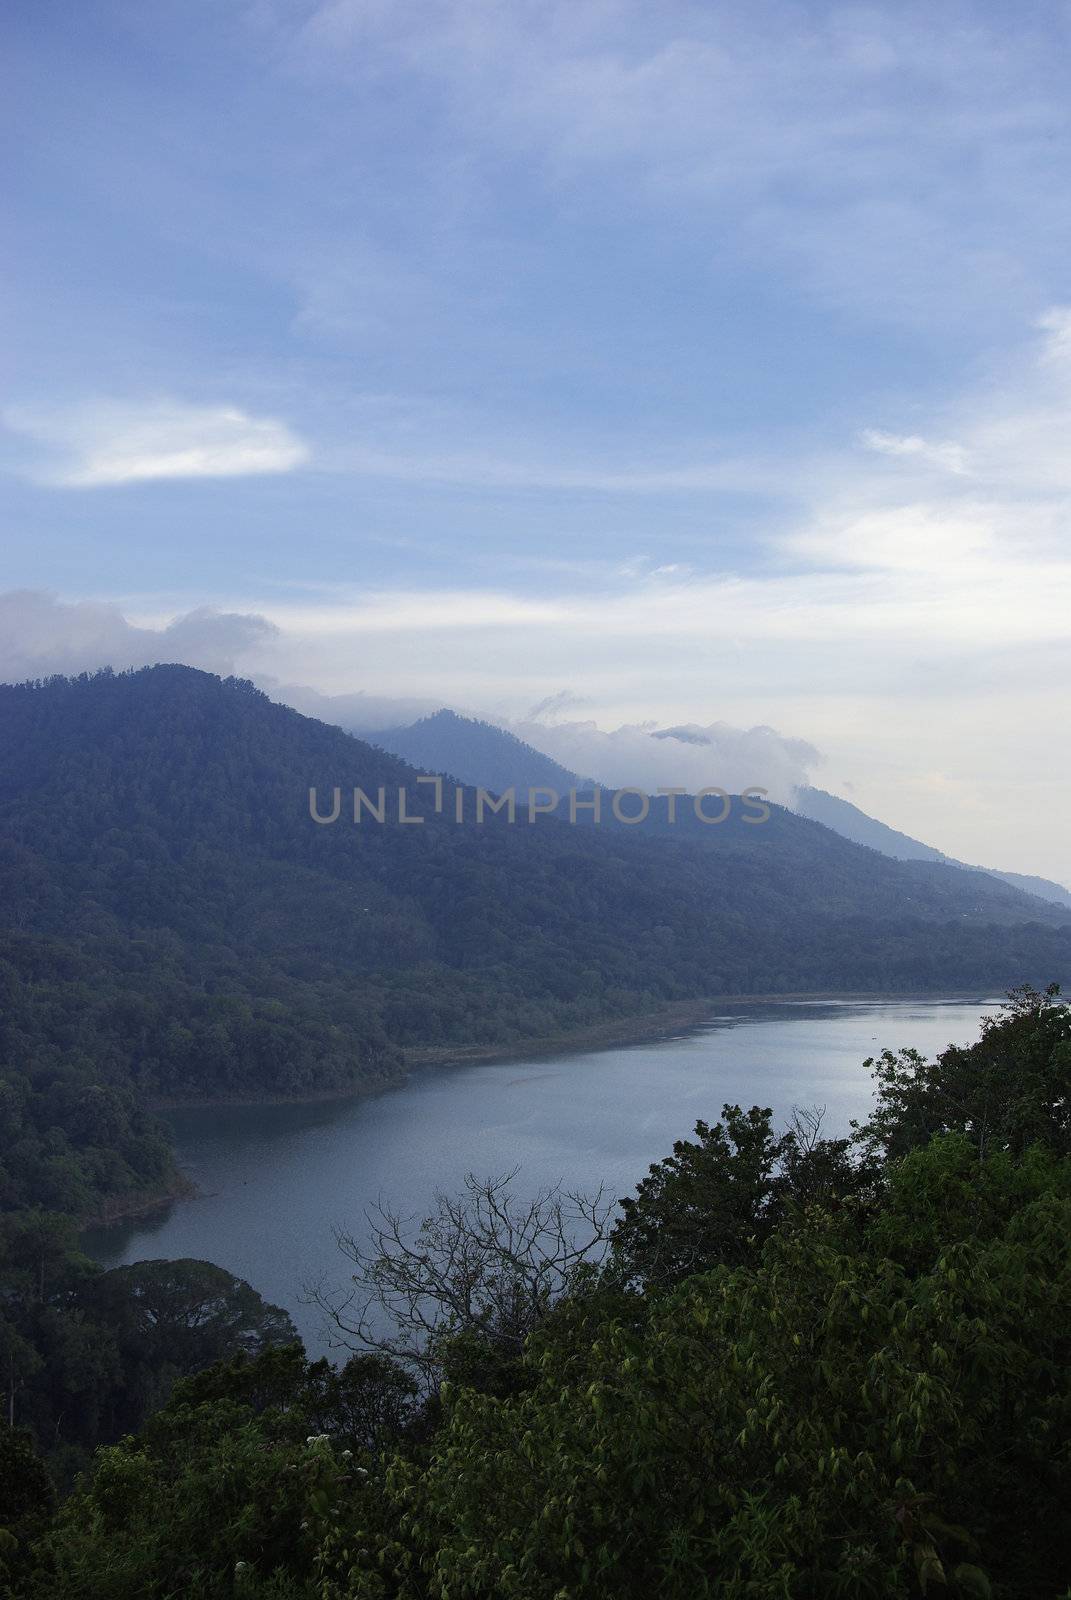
{"x": 478, "y": 752}
{"x": 162, "y": 876}
{"x": 833, "y": 811}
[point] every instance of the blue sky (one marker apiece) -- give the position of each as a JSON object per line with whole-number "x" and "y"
{"x": 699, "y": 362}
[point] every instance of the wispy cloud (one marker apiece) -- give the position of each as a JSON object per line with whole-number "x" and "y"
{"x": 110, "y": 443}
{"x": 949, "y": 457}
{"x": 897, "y": 156}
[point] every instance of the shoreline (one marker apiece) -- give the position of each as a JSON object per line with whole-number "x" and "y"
{"x": 124, "y": 1208}
{"x": 680, "y": 1016}
{"x": 676, "y": 1017}
{"x": 639, "y": 1027}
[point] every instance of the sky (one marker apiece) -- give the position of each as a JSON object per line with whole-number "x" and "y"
{"x": 593, "y": 366}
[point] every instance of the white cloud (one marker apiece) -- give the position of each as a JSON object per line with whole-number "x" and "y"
{"x": 1056, "y": 323}
{"x": 689, "y": 757}
{"x": 41, "y": 634}
{"x": 358, "y": 713}
{"x": 913, "y": 624}
{"x": 950, "y": 457}
{"x": 109, "y": 443}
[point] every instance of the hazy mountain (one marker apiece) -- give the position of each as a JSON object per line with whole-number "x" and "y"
{"x": 848, "y": 820}
{"x": 172, "y": 918}
{"x": 478, "y": 752}
{"x": 474, "y": 752}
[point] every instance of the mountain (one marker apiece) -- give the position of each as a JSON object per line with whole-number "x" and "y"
{"x": 173, "y": 922}
{"x": 475, "y": 752}
{"x": 851, "y": 823}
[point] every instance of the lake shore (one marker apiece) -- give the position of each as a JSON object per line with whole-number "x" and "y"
{"x": 274, "y": 1183}
{"x": 128, "y": 1207}
{"x": 642, "y": 1027}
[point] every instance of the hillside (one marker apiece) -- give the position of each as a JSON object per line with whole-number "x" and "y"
{"x": 174, "y": 924}
{"x": 477, "y": 752}
{"x": 844, "y": 818}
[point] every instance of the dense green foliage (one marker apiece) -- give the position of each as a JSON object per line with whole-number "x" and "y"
{"x": 801, "y": 1426}
{"x": 1006, "y": 1092}
{"x": 26, "y": 1506}
{"x": 68, "y": 1142}
{"x": 841, "y": 1378}
{"x": 714, "y": 1199}
{"x": 86, "y": 1355}
{"x": 235, "y": 1475}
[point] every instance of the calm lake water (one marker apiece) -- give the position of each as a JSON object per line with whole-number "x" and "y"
{"x": 273, "y": 1181}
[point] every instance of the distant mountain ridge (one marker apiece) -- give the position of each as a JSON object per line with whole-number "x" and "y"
{"x": 474, "y": 752}
{"x": 477, "y": 752}
{"x": 846, "y": 819}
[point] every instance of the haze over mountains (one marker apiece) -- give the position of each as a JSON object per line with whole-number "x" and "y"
{"x": 42, "y": 634}
{"x": 484, "y": 753}
{"x": 844, "y": 818}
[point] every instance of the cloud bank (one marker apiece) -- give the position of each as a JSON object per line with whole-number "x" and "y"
{"x": 689, "y": 757}
{"x": 41, "y": 634}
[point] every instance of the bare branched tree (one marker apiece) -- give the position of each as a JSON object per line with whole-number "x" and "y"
{"x": 485, "y": 1262}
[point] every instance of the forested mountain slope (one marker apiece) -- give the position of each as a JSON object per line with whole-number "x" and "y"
{"x": 173, "y": 920}
{"x": 478, "y": 752}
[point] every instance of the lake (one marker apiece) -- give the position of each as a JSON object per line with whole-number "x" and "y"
{"x": 273, "y": 1181}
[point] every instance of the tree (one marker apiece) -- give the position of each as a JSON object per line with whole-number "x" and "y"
{"x": 37, "y": 1256}
{"x": 26, "y": 1506}
{"x": 1010, "y": 1089}
{"x": 365, "y": 1406}
{"x": 213, "y": 1502}
{"x": 818, "y": 1423}
{"x": 486, "y": 1266}
{"x": 87, "y": 1355}
{"x": 191, "y": 1312}
{"x": 717, "y": 1197}
{"x": 231, "y": 1486}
